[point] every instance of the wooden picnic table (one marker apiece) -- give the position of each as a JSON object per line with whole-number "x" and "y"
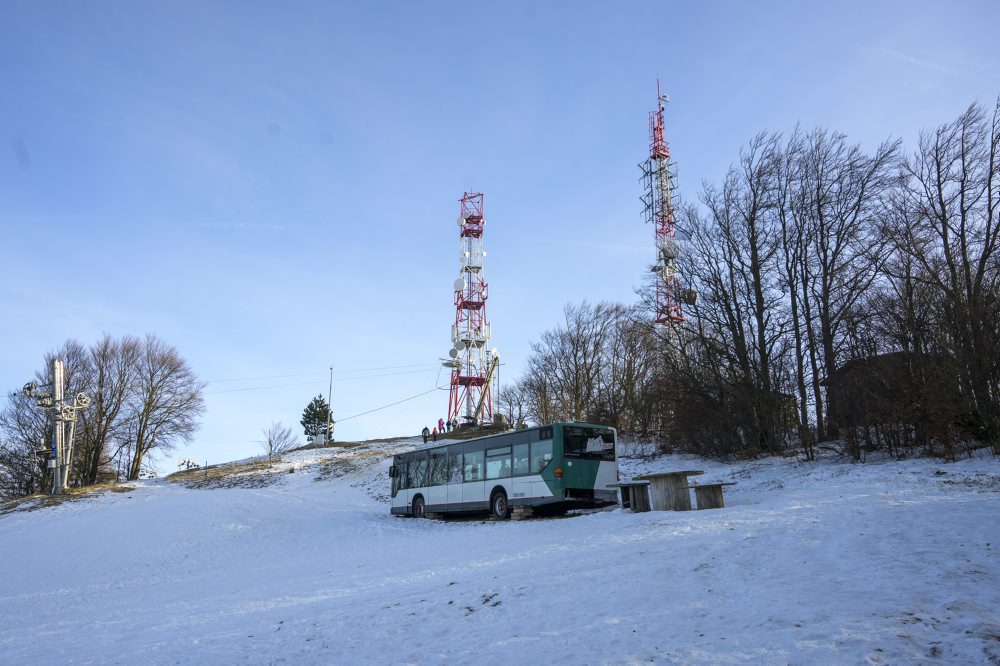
{"x": 668, "y": 491}
{"x": 635, "y": 495}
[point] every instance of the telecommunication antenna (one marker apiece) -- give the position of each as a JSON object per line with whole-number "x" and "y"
{"x": 469, "y": 359}
{"x": 658, "y": 208}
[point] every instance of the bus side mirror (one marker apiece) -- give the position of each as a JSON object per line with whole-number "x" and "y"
{"x": 392, "y": 471}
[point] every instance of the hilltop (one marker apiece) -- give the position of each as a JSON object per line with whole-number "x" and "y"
{"x": 300, "y": 562}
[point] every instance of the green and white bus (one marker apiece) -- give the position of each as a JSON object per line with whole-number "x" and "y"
{"x": 551, "y": 468}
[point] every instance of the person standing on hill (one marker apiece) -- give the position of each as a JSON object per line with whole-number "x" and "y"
{"x": 425, "y": 433}
{"x": 441, "y": 426}
{"x": 434, "y": 434}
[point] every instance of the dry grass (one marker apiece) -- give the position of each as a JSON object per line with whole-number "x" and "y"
{"x": 471, "y": 432}
{"x": 350, "y": 457}
{"x": 249, "y": 474}
{"x": 335, "y": 468}
{"x": 347, "y": 445}
{"x": 40, "y": 501}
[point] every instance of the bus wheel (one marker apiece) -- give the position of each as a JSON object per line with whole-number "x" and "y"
{"x": 499, "y": 507}
{"x": 418, "y": 507}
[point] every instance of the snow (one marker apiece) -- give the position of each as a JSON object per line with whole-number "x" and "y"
{"x": 829, "y": 562}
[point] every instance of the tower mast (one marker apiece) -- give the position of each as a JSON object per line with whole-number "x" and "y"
{"x": 658, "y": 177}
{"x": 469, "y": 398}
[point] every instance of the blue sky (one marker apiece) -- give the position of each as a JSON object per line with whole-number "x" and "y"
{"x": 272, "y": 187}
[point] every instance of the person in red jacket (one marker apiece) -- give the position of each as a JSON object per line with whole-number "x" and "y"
{"x": 434, "y": 434}
{"x": 441, "y": 425}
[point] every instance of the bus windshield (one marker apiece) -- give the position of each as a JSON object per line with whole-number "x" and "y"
{"x": 591, "y": 443}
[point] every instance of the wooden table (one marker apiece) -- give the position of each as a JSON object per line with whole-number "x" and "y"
{"x": 668, "y": 491}
{"x": 635, "y": 495}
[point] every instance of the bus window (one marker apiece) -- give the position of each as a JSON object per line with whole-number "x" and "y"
{"x": 579, "y": 442}
{"x": 418, "y": 471}
{"x": 541, "y": 454}
{"x": 498, "y": 463}
{"x": 439, "y": 469}
{"x": 474, "y": 466}
{"x": 521, "y": 458}
{"x": 399, "y": 481}
{"x": 454, "y": 466}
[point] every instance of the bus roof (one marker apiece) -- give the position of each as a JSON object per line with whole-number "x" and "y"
{"x": 449, "y": 442}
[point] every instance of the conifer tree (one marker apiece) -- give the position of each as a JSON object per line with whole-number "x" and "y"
{"x": 316, "y": 416}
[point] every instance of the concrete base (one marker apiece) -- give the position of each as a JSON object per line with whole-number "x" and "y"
{"x": 521, "y": 512}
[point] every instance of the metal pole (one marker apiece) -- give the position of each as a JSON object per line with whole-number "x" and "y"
{"x": 69, "y": 453}
{"x": 329, "y": 409}
{"x": 57, "y": 426}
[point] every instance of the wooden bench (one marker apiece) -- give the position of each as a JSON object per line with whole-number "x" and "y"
{"x": 635, "y": 495}
{"x": 709, "y": 495}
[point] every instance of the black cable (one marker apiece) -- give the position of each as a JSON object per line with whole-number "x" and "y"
{"x": 324, "y": 373}
{"x": 392, "y": 404}
{"x": 258, "y": 388}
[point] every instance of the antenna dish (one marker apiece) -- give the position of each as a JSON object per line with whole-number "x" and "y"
{"x": 453, "y": 353}
{"x": 670, "y": 249}
{"x": 461, "y": 221}
{"x": 459, "y": 284}
{"x": 459, "y": 345}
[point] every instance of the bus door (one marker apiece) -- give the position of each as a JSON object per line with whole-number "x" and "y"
{"x": 437, "y": 478}
{"x": 521, "y": 483}
{"x": 474, "y": 473}
{"x": 455, "y": 478}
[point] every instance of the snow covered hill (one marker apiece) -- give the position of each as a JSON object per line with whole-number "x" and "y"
{"x": 823, "y": 562}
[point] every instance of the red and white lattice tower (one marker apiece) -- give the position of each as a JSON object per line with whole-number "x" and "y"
{"x": 471, "y": 362}
{"x": 658, "y": 176}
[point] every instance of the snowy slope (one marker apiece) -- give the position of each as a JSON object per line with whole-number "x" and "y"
{"x": 809, "y": 563}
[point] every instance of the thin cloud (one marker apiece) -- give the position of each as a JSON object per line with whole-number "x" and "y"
{"x": 921, "y": 62}
{"x": 246, "y": 226}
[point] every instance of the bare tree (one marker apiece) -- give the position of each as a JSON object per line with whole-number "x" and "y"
{"x": 841, "y": 194}
{"x": 113, "y": 366}
{"x": 734, "y": 263}
{"x": 566, "y": 364}
{"x": 167, "y": 403}
{"x": 950, "y": 211}
{"x": 145, "y": 398}
{"x": 24, "y": 431}
{"x": 27, "y": 430}
{"x": 277, "y": 440}
{"x": 629, "y": 353}
{"x": 512, "y": 402}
